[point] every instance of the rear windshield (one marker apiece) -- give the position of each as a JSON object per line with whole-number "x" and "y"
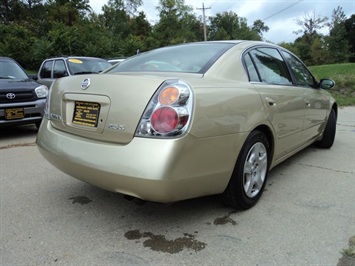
{"x": 190, "y": 58}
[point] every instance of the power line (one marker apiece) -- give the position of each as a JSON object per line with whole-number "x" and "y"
{"x": 282, "y": 10}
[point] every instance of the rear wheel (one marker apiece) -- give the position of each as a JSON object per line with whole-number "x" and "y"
{"x": 249, "y": 176}
{"x": 329, "y": 132}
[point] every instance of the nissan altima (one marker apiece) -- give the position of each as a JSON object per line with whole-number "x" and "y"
{"x": 187, "y": 121}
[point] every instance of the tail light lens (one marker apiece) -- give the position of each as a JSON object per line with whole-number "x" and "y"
{"x": 168, "y": 114}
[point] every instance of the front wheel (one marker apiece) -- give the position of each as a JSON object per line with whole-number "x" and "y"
{"x": 329, "y": 132}
{"x": 249, "y": 176}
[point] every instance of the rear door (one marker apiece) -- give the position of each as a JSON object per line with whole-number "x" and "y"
{"x": 283, "y": 102}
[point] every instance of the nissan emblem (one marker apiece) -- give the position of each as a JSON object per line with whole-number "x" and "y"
{"x": 85, "y": 84}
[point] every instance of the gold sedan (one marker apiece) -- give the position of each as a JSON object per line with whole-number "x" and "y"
{"x": 187, "y": 121}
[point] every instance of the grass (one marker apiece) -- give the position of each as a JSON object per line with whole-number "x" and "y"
{"x": 350, "y": 251}
{"x": 344, "y": 77}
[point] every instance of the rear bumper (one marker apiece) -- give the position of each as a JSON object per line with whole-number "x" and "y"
{"x": 151, "y": 169}
{"x": 34, "y": 112}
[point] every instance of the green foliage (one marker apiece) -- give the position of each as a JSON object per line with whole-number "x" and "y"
{"x": 344, "y": 77}
{"x": 229, "y": 26}
{"x": 16, "y": 42}
{"x": 177, "y": 23}
{"x": 32, "y": 30}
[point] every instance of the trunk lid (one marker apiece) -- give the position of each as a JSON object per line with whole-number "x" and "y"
{"x": 108, "y": 109}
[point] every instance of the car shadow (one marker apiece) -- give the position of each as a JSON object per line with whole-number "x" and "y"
{"x": 12, "y": 132}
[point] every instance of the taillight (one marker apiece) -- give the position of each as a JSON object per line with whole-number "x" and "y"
{"x": 169, "y": 112}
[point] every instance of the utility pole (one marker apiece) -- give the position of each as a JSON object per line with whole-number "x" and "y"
{"x": 204, "y": 19}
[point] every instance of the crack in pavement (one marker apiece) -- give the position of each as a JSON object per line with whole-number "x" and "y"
{"x": 326, "y": 168}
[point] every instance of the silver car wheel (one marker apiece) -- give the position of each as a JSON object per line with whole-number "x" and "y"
{"x": 255, "y": 169}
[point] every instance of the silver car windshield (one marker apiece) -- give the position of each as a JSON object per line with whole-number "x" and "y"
{"x": 87, "y": 65}
{"x": 190, "y": 58}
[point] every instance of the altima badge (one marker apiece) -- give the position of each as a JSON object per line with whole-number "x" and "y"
{"x": 85, "y": 84}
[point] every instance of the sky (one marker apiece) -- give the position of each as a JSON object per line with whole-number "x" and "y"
{"x": 279, "y": 15}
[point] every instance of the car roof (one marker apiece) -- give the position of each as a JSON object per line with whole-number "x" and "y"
{"x": 71, "y": 56}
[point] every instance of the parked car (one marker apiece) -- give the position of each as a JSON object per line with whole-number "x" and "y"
{"x": 187, "y": 121}
{"x": 59, "y": 67}
{"x": 22, "y": 100}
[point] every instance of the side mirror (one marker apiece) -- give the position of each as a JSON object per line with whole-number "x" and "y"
{"x": 60, "y": 74}
{"x": 326, "y": 84}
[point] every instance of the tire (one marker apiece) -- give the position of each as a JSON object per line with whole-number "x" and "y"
{"x": 250, "y": 173}
{"x": 38, "y": 124}
{"x": 329, "y": 132}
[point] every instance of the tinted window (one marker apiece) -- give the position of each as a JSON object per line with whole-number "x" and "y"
{"x": 46, "y": 70}
{"x": 253, "y": 75}
{"x": 59, "y": 69}
{"x": 192, "y": 58}
{"x": 302, "y": 75}
{"x": 270, "y": 65}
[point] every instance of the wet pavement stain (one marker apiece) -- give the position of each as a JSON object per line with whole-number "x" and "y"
{"x": 81, "y": 199}
{"x": 18, "y": 145}
{"x": 160, "y": 243}
{"x": 224, "y": 220}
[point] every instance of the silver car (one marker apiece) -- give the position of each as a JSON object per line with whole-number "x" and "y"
{"x": 187, "y": 121}
{"x": 58, "y": 67}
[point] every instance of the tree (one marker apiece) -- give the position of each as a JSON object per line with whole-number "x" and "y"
{"x": 350, "y": 35}
{"x": 177, "y": 23}
{"x": 337, "y": 43}
{"x": 310, "y": 23}
{"x": 229, "y": 26}
{"x": 260, "y": 27}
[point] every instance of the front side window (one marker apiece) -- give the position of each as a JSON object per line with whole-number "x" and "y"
{"x": 302, "y": 76}
{"x": 46, "y": 70}
{"x": 270, "y": 66}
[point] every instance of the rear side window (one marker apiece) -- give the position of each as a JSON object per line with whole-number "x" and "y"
{"x": 302, "y": 76}
{"x": 253, "y": 74}
{"x": 269, "y": 65}
{"x": 46, "y": 70}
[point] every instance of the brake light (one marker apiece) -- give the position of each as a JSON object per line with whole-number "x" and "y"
{"x": 169, "y": 112}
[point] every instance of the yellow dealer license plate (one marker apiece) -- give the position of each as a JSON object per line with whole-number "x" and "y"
{"x": 14, "y": 113}
{"x": 86, "y": 114}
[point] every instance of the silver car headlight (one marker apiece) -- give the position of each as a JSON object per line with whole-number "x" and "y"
{"x": 41, "y": 91}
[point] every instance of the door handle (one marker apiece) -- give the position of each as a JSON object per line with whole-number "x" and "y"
{"x": 270, "y": 101}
